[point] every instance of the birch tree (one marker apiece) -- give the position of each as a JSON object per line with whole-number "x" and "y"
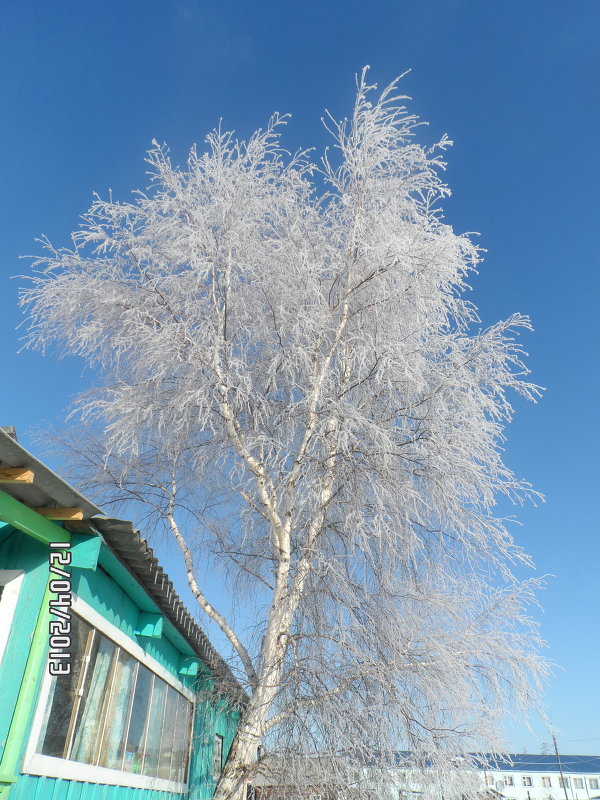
{"x": 292, "y": 378}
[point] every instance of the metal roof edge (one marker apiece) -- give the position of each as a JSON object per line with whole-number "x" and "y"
{"x": 12, "y": 454}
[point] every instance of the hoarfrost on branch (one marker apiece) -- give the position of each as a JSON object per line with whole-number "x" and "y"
{"x": 294, "y": 381}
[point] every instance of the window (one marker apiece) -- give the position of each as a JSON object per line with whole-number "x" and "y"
{"x": 10, "y": 584}
{"x": 489, "y": 779}
{"x": 526, "y": 779}
{"x": 217, "y": 756}
{"x": 563, "y": 783}
{"x": 578, "y": 783}
{"x": 547, "y": 782}
{"x": 112, "y": 711}
{"x": 593, "y": 783}
{"x": 508, "y": 780}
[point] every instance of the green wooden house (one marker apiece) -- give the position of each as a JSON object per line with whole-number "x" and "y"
{"x": 108, "y": 688}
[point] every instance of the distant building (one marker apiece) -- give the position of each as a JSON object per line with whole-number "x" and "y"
{"x": 516, "y": 777}
{"x": 524, "y": 776}
{"x": 99, "y": 671}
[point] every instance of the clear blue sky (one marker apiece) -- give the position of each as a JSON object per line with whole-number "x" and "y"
{"x": 85, "y": 87}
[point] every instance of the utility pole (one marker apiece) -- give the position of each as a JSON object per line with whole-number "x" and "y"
{"x": 564, "y": 783}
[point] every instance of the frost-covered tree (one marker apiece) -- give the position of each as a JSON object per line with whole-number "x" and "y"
{"x": 294, "y": 381}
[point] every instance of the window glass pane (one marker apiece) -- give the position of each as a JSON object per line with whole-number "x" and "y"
{"x": 174, "y": 774}
{"x": 181, "y": 740}
{"x": 134, "y": 746}
{"x": 113, "y": 712}
{"x": 112, "y": 748}
{"x": 65, "y": 691}
{"x": 153, "y": 734}
{"x": 94, "y": 702}
{"x": 166, "y": 741}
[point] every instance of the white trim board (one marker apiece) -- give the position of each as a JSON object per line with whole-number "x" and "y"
{"x": 52, "y": 767}
{"x": 11, "y": 580}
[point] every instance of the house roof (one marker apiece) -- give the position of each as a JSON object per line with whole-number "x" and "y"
{"x": 534, "y": 762}
{"x": 48, "y": 490}
{"x": 515, "y": 762}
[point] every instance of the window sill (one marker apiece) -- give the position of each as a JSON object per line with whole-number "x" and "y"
{"x": 73, "y": 770}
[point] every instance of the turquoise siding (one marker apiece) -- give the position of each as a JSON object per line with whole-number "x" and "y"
{"x": 210, "y": 719}
{"x": 19, "y": 552}
{"x": 101, "y": 592}
{"x": 31, "y": 787}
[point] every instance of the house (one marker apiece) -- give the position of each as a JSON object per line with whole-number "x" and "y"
{"x": 516, "y": 776}
{"x": 524, "y": 776}
{"x": 308, "y": 777}
{"x": 109, "y": 690}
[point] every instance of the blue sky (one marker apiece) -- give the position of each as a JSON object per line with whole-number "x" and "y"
{"x": 86, "y": 87}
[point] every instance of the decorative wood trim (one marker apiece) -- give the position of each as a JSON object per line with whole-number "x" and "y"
{"x": 85, "y": 550}
{"x": 189, "y": 666}
{"x": 149, "y": 624}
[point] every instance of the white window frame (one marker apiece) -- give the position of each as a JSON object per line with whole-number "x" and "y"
{"x": 11, "y": 580}
{"x": 527, "y": 781}
{"x": 52, "y": 767}
{"x": 218, "y": 738}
